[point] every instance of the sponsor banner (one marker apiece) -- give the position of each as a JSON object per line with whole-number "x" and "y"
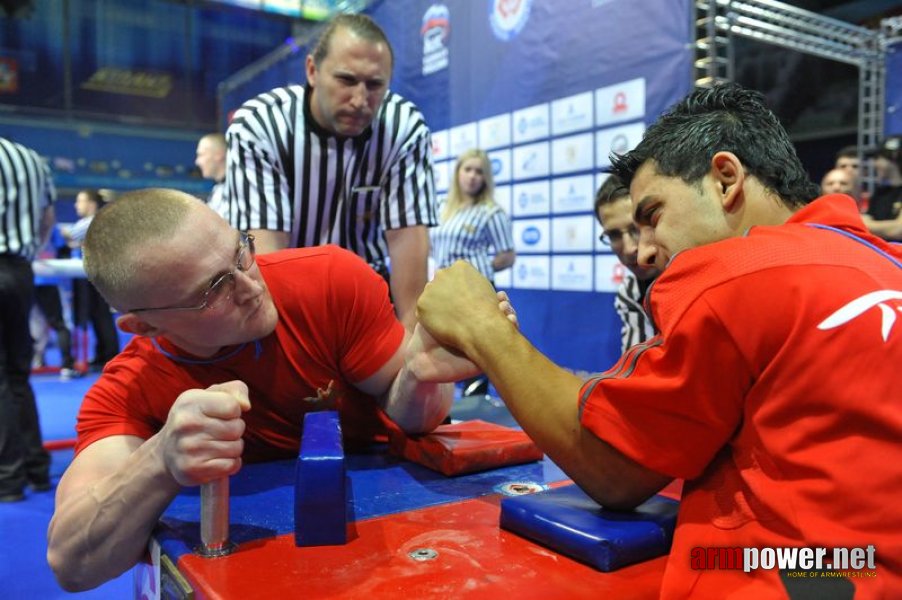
{"x": 532, "y": 272}
{"x": 504, "y": 279}
{"x": 572, "y": 194}
{"x": 571, "y": 273}
{"x": 572, "y": 113}
{"x": 617, "y": 140}
{"x": 442, "y": 173}
{"x": 531, "y": 236}
{"x": 508, "y": 17}
{"x": 572, "y": 234}
{"x": 609, "y": 273}
{"x": 501, "y": 165}
{"x": 531, "y": 123}
{"x": 620, "y": 102}
{"x": 462, "y": 138}
{"x": 495, "y": 132}
{"x": 570, "y": 154}
{"x": 531, "y": 199}
{"x": 435, "y": 31}
{"x": 503, "y": 198}
{"x": 441, "y": 145}
{"x": 531, "y": 161}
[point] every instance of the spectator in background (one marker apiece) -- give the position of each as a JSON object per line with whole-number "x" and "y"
{"x": 884, "y": 216}
{"x": 615, "y": 214}
{"x": 341, "y": 160}
{"x": 211, "y": 160}
{"x": 48, "y": 302}
{"x": 838, "y": 181}
{"x": 26, "y": 217}
{"x": 473, "y": 228}
{"x": 89, "y": 305}
{"x": 847, "y": 160}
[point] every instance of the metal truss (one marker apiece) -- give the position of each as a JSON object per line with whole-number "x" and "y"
{"x": 779, "y": 24}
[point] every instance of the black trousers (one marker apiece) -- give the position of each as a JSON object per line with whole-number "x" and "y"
{"x": 22, "y": 455}
{"x": 48, "y": 300}
{"x": 90, "y": 306}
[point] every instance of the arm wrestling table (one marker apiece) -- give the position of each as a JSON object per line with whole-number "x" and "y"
{"x": 411, "y": 532}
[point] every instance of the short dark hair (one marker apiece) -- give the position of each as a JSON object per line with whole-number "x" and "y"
{"x": 610, "y": 191}
{"x": 847, "y": 152}
{"x": 729, "y": 118}
{"x": 94, "y": 196}
{"x": 360, "y": 25}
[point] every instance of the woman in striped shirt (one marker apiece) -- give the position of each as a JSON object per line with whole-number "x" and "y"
{"x": 473, "y": 227}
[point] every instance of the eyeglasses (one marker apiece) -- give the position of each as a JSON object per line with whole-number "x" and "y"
{"x": 614, "y": 237}
{"x": 220, "y": 290}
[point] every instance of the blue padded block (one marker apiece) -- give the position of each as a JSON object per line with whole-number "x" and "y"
{"x": 320, "y": 495}
{"x": 569, "y": 522}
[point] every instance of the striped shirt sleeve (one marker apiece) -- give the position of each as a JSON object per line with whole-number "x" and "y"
{"x": 259, "y": 167}
{"x": 408, "y": 196}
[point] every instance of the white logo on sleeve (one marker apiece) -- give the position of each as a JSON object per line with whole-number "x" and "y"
{"x": 861, "y": 305}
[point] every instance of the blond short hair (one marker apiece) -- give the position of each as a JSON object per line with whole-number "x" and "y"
{"x": 113, "y": 245}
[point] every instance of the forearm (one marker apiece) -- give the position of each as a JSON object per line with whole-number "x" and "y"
{"x": 102, "y": 530}
{"x": 409, "y": 252}
{"x": 417, "y": 406}
{"x": 503, "y": 260}
{"x": 543, "y": 398}
{"x": 888, "y": 230}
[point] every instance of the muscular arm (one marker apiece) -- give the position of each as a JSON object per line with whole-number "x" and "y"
{"x": 107, "y": 504}
{"x": 415, "y": 402}
{"x": 408, "y": 249}
{"x": 115, "y": 490}
{"x": 458, "y": 308}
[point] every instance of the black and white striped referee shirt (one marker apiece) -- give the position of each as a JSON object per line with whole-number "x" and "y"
{"x": 636, "y": 325}
{"x": 26, "y": 191}
{"x": 474, "y": 234}
{"x": 285, "y": 173}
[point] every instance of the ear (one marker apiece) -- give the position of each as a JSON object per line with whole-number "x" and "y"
{"x": 311, "y": 71}
{"x": 727, "y": 171}
{"x": 132, "y": 323}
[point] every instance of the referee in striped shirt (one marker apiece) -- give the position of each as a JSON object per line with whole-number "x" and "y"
{"x": 341, "y": 160}
{"x": 26, "y": 218}
{"x": 614, "y": 211}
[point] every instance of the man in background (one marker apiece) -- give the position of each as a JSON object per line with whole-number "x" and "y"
{"x": 339, "y": 160}
{"x": 211, "y": 160}
{"x": 838, "y": 181}
{"x": 884, "y": 215}
{"x": 27, "y": 195}
{"x": 615, "y": 214}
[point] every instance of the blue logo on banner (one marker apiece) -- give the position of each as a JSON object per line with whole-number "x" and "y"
{"x": 507, "y": 17}
{"x": 531, "y": 236}
{"x": 496, "y": 165}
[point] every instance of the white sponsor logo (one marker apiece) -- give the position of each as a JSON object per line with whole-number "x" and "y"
{"x": 861, "y": 305}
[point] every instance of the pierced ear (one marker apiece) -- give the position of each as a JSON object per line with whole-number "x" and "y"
{"x": 132, "y": 323}
{"x": 726, "y": 168}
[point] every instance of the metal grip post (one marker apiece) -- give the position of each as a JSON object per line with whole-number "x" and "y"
{"x": 214, "y": 519}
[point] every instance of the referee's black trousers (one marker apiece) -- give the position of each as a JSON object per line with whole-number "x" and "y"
{"x": 22, "y": 455}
